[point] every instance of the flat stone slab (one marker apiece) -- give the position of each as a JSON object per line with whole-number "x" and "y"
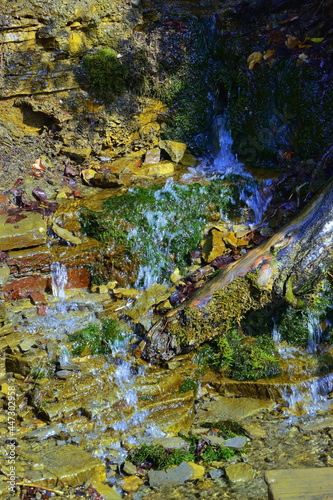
{"x": 231, "y": 409}
{"x": 28, "y": 231}
{"x": 305, "y": 484}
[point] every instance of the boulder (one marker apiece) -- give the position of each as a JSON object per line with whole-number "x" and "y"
{"x": 175, "y": 150}
{"x": 27, "y": 230}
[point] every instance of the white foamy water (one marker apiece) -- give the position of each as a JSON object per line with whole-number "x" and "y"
{"x": 59, "y": 279}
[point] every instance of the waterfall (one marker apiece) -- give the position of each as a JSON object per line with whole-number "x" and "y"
{"x": 59, "y": 279}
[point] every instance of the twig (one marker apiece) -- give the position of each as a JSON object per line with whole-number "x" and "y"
{"x": 31, "y": 485}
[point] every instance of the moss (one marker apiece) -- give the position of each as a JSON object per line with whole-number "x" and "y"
{"x": 106, "y": 74}
{"x": 97, "y": 339}
{"x": 188, "y": 385}
{"x": 225, "y": 310}
{"x": 159, "y": 226}
{"x": 216, "y": 454}
{"x": 240, "y": 357}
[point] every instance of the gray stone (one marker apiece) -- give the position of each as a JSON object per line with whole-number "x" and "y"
{"x": 172, "y": 477}
{"x": 26, "y": 344}
{"x": 236, "y": 443}
{"x": 302, "y": 484}
{"x": 215, "y": 473}
{"x": 214, "y": 440}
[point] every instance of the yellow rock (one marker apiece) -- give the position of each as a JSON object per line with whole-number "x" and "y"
{"x": 218, "y": 245}
{"x": 65, "y": 235}
{"x": 88, "y": 174}
{"x": 161, "y": 168}
{"x": 61, "y": 196}
{"x": 253, "y": 59}
{"x": 199, "y": 470}
{"x": 175, "y": 276}
{"x": 176, "y": 150}
{"x": 112, "y": 285}
{"x": 131, "y": 484}
{"x": 230, "y": 240}
{"x": 105, "y": 491}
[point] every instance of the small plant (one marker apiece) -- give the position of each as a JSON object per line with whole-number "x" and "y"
{"x": 240, "y": 357}
{"x": 106, "y": 74}
{"x": 96, "y": 339}
{"x": 211, "y": 454}
{"x": 188, "y": 385}
{"x": 158, "y": 457}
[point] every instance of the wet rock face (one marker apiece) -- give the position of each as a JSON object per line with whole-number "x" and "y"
{"x": 44, "y": 41}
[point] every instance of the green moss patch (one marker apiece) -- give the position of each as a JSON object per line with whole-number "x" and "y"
{"x": 96, "y": 339}
{"x": 159, "y": 226}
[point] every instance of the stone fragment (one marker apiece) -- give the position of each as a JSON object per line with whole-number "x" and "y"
{"x": 87, "y": 175}
{"x": 77, "y": 153}
{"x": 28, "y": 231}
{"x": 38, "y": 299}
{"x": 42, "y": 310}
{"x": 301, "y": 484}
{"x": 176, "y": 476}
{"x": 215, "y": 473}
{"x": 240, "y": 230}
{"x": 130, "y": 484}
{"x": 175, "y": 150}
{"x": 217, "y": 245}
{"x": 65, "y": 234}
{"x": 153, "y": 295}
{"x": 159, "y": 169}
{"x": 153, "y": 156}
{"x": 107, "y": 180}
{"x": 175, "y": 276}
{"x": 129, "y": 468}
{"x": 236, "y": 443}
{"x": 26, "y": 344}
{"x": 105, "y": 491}
{"x": 4, "y": 275}
{"x": 230, "y": 240}
{"x": 125, "y": 293}
{"x": 240, "y": 473}
{"x": 214, "y": 440}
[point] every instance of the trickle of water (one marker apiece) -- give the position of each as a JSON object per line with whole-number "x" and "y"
{"x": 59, "y": 279}
{"x": 257, "y": 201}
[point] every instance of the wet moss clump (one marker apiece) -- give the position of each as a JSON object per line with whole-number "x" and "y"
{"x": 224, "y": 310}
{"x": 240, "y": 357}
{"x": 96, "y": 339}
{"x": 159, "y": 226}
{"x": 188, "y": 385}
{"x": 106, "y": 74}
